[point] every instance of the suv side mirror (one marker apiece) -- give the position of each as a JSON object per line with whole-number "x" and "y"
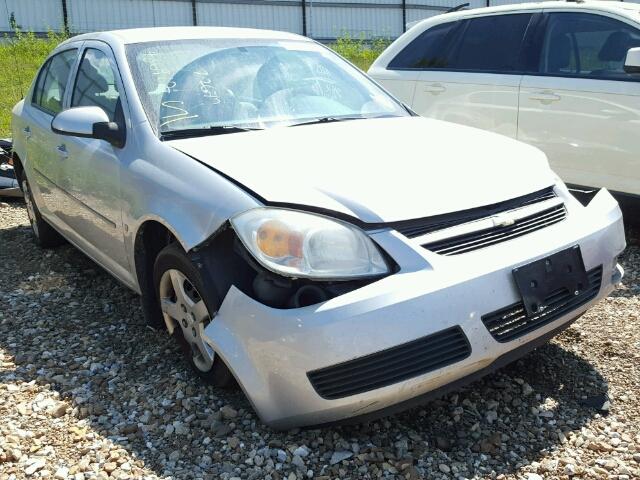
{"x": 88, "y": 122}
{"x": 632, "y": 63}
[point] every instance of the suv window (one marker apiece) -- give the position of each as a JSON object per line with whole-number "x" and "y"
{"x": 587, "y": 45}
{"x": 492, "y": 43}
{"x": 52, "y": 81}
{"x": 95, "y": 84}
{"x": 428, "y": 50}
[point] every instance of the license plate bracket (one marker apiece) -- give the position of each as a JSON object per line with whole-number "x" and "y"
{"x": 538, "y": 280}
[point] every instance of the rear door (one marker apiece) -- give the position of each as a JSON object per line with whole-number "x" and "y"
{"x": 43, "y": 160}
{"x": 428, "y": 50}
{"x": 476, "y": 82}
{"x": 581, "y": 108}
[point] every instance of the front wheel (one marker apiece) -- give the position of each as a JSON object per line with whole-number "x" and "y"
{"x": 45, "y": 235}
{"x": 187, "y": 313}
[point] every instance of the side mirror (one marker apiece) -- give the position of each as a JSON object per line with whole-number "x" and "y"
{"x": 632, "y": 63}
{"x": 88, "y": 122}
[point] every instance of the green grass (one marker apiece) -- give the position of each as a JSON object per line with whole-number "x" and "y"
{"x": 360, "y": 52}
{"x": 21, "y": 56}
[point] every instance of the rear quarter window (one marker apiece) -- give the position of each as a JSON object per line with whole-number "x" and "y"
{"x": 428, "y": 50}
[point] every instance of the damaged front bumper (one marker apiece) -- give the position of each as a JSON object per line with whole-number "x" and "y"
{"x": 301, "y": 366}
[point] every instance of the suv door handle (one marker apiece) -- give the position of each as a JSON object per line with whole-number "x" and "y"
{"x": 62, "y": 151}
{"x": 435, "y": 88}
{"x": 27, "y": 132}
{"x": 545, "y": 97}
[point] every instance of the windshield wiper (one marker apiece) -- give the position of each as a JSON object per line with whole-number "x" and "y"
{"x": 325, "y": 120}
{"x": 201, "y": 132}
{"x": 330, "y": 119}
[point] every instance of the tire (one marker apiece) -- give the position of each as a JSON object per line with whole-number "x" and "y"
{"x": 186, "y": 312}
{"x": 45, "y": 235}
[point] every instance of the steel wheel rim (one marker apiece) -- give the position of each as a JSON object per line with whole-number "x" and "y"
{"x": 182, "y": 305}
{"x": 31, "y": 212}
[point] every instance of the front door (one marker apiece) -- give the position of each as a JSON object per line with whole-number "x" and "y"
{"x": 582, "y": 109}
{"x": 90, "y": 168}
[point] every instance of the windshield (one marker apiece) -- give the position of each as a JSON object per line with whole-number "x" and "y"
{"x": 201, "y": 84}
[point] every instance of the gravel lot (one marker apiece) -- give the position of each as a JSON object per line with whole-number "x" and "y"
{"x": 87, "y": 391}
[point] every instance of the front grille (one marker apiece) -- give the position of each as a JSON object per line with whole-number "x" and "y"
{"x": 512, "y": 322}
{"x": 392, "y": 365}
{"x": 490, "y": 236}
{"x": 419, "y": 227}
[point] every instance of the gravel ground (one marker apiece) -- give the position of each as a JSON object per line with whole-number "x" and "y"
{"x": 87, "y": 391}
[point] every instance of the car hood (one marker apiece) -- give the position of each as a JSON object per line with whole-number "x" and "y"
{"x": 377, "y": 170}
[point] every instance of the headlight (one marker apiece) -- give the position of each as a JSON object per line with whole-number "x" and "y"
{"x": 298, "y": 244}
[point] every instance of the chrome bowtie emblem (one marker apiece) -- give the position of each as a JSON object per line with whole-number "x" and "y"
{"x": 502, "y": 221}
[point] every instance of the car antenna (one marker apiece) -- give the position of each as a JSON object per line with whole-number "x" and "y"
{"x": 457, "y": 7}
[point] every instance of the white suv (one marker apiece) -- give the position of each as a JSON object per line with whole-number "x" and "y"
{"x": 562, "y": 76}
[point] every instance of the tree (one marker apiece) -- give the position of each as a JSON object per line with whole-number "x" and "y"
{"x": 13, "y": 23}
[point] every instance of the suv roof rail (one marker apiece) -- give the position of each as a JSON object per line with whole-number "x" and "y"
{"x": 457, "y": 7}
{"x": 574, "y": 1}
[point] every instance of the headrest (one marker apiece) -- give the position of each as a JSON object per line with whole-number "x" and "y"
{"x": 615, "y": 48}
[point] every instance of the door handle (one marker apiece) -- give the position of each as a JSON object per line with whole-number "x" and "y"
{"x": 545, "y": 97}
{"x": 27, "y": 132}
{"x": 435, "y": 88}
{"x": 62, "y": 151}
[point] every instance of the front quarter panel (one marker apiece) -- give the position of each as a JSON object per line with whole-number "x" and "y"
{"x": 161, "y": 184}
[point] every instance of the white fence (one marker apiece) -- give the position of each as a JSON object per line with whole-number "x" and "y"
{"x": 321, "y": 19}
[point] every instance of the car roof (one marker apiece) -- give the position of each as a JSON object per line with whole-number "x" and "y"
{"x": 153, "y": 34}
{"x": 624, "y": 8}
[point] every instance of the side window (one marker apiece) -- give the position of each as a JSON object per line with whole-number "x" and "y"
{"x": 587, "y": 45}
{"x": 492, "y": 43}
{"x": 428, "y": 50}
{"x": 95, "y": 84}
{"x": 52, "y": 81}
{"x": 37, "y": 91}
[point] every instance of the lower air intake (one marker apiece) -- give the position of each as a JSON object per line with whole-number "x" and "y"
{"x": 512, "y": 322}
{"x": 392, "y": 365}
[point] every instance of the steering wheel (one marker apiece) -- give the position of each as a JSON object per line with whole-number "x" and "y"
{"x": 306, "y": 86}
{"x": 192, "y": 97}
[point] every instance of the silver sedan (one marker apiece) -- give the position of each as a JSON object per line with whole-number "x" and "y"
{"x": 296, "y": 228}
